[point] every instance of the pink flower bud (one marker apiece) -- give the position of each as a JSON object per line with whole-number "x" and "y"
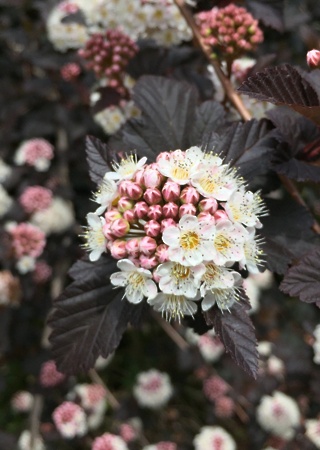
{"x": 220, "y": 215}
{"x": 120, "y": 227}
{"x": 152, "y": 178}
{"x": 170, "y": 210}
{"x": 141, "y": 210}
{"x": 152, "y": 196}
{"x": 134, "y": 191}
{"x": 118, "y": 249}
{"x": 209, "y": 205}
{"x": 205, "y": 216}
{"x": 133, "y": 247}
{"x": 148, "y": 245}
{"x": 162, "y": 253}
{"x": 138, "y": 177}
{"x": 164, "y": 155}
{"x": 313, "y": 58}
{"x": 130, "y": 216}
{"x": 187, "y": 208}
{"x": 155, "y": 212}
{"x": 106, "y": 230}
{"x": 224, "y": 407}
{"x": 167, "y": 223}
{"x": 122, "y": 187}
{"x": 112, "y": 215}
{"x": 171, "y": 191}
{"x": 148, "y": 262}
{"x": 124, "y": 203}
{"x": 189, "y": 195}
{"x": 152, "y": 228}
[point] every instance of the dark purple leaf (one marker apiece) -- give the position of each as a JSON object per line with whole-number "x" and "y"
{"x": 277, "y": 256}
{"x": 168, "y": 113}
{"x": 284, "y": 85}
{"x": 108, "y": 97}
{"x": 99, "y": 157}
{"x": 89, "y": 318}
{"x": 303, "y": 279}
{"x": 237, "y": 334}
{"x": 210, "y": 116}
{"x": 270, "y": 12}
{"x": 248, "y": 146}
{"x": 299, "y": 170}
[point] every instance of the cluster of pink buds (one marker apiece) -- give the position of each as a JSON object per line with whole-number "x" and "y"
{"x": 35, "y": 198}
{"x": 178, "y": 227}
{"x": 232, "y": 30}
{"x": 313, "y": 59}
{"x": 70, "y": 71}
{"x": 27, "y": 240}
{"x": 49, "y": 374}
{"x": 108, "y": 55}
{"x": 35, "y": 152}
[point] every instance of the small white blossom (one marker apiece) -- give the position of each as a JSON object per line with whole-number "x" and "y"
{"x": 57, "y": 218}
{"x": 153, "y": 389}
{"x": 228, "y": 244}
{"x": 245, "y": 207}
{"x": 106, "y": 193}
{"x": 110, "y": 119}
{"x": 215, "y": 181}
{"x": 264, "y": 348}
{"x": 214, "y": 438}
{"x": 126, "y": 169}
{"x": 251, "y": 252}
{"x": 253, "y": 293}
{"x": 316, "y": 345}
{"x": 26, "y": 264}
{"x": 181, "y": 165}
{"x": 188, "y": 242}
{"x": 5, "y": 171}
{"x": 95, "y": 239}
{"x": 70, "y": 420}
{"x": 137, "y": 281}
{"x": 174, "y": 306}
{"x": 5, "y": 201}
{"x": 179, "y": 280}
{"x": 313, "y": 431}
{"x": 210, "y": 347}
{"x": 279, "y": 415}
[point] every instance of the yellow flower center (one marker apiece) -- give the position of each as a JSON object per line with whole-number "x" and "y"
{"x": 180, "y": 272}
{"x": 180, "y": 172}
{"x": 189, "y": 240}
{"x": 222, "y": 243}
{"x": 211, "y": 272}
{"x": 208, "y": 184}
{"x": 136, "y": 280}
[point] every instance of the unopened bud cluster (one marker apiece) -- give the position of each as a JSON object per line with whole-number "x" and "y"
{"x": 108, "y": 55}
{"x": 232, "y": 30}
{"x": 177, "y": 227}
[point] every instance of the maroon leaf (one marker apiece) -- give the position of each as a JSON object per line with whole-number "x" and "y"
{"x": 99, "y": 157}
{"x": 237, "y": 334}
{"x": 303, "y": 279}
{"x": 89, "y": 318}
{"x": 270, "y": 12}
{"x": 284, "y": 85}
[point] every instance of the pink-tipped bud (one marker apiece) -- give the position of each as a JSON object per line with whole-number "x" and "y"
{"x": 152, "y": 178}
{"x": 122, "y": 187}
{"x": 189, "y": 195}
{"x": 164, "y": 155}
{"x": 148, "y": 245}
{"x": 167, "y": 223}
{"x": 155, "y": 212}
{"x": 205, "y": 216}
{"x": 118, "y": 249}
{"x": 162, "y": 253}
{"x": 112, "y": 215}
{"x": 141, "y": 210}
{"x": 187, "y": 208}
{"x": 130, "y": 216}
{"x": 152, "y": 196}
{"x": 138, "y": 177}
{"x": 133, "y": 247}
{"x": 313, "y": 58}
{"x": 134, "y": 191}
{"x": 152, "y": 228}
{"x": 148, "y": 262}
{"x": 209, "y": 205}
{"x": 124, "y": 204}
{"x": 170, "y": 210}
{"x": 171, "y": 191}
{"x": 106, "y": 230}
{"x": 120, "y": 227}
{"x": 220, "y": 215}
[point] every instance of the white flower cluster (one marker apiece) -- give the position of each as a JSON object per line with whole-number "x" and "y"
{"x": 5, "y": 171}
{"x": 279, "y": 414}
{"x": 316, "y": 344}
{"x": 5, "y": 201}
{"x": 24, "y": 442}
{"x": 209, "y": 345}
{"x": 57, "y": 218}
{"x": 189, "y": 218}
{"x": 214, "y": 438}
{"x": 153, "y": 389}
{"x": 313, "y": 431}
{"x": 269, "y": 363}
{"x": 253, "y": 285}
{"x": 152, "y": 19}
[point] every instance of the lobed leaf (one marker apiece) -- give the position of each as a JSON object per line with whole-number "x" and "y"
{"x": 89, "y": 318}
{"x": 270, "y": 12}
{"x": 98, "y": 158}
{"x": 303, "y": 279}
{"x": 284, "y": 85}
{"x": 237, "y": 334}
